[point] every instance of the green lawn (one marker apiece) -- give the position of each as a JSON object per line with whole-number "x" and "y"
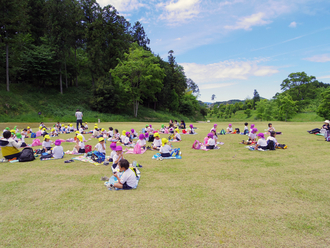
{"x": 230, "y": 197}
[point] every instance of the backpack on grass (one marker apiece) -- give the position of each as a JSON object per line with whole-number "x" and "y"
{"x": 222, "y": 132}
{"x": 26, "y": 155}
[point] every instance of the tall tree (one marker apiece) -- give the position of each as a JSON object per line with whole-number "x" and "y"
{"x": 256, "y": 98}
{"x": 140, "y": 74}
{"x": 139, "y": 36}
{"x": 13, "y": 21}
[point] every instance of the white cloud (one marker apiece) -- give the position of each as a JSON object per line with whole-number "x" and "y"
{"x": 293, "y": 25}
{"x": 319, "y": 58}
{"x": 258, "y": 19}
{"x": 214, "y": 86}
{"x": 178, "y": 39}
{"x": 324, "y": 77}
{"x": 226, "y": 70}
{"x": 180, "y": 11}
{"x": 122, "y": 5}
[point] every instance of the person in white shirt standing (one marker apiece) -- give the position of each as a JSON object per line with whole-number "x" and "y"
{"x": 79, "y": 116}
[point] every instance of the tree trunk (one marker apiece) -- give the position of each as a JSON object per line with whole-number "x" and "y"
{"x": 75, "y": 57}
{"x": 66, "y": 76}
{"x": 93, "y": 79}
{"x": 7, "y": 66}
{"x": 61, "y": 88}
{"x": 136, "y": 108}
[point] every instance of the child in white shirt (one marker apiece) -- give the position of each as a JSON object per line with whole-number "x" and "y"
{"x": 57, "y": 151}
{"x": 110, "y": 132}
{"x": 165, "y": 148}
{"x": 157, "y": 141}
{"x": 100, "y": 147}
{"x": 210, "y": 142}
{"x": 177, "y": 134}
{"x": 113, "y": 152}
{"x": 127, "y": 179}
{"x": 262, "y": 143}
{"x": 191, "y": 131}
{"x": 126, "y": 140}
{"x": 47, "y": 143}
{"x": 117, "y": 157}
{"x": 229, "y": 129}
{"x": 80, "y": 145}
{"x": 142, "y": 142}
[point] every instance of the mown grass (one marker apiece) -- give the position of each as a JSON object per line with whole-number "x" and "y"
{"x": 230, "y": 197}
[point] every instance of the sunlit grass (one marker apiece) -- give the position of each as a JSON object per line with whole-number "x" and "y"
{"x": 230, "y": 197}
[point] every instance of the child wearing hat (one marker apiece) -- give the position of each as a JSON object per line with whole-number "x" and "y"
{"x": 191, "y": 131}
{"x": 162, "y": 129}
{"x": 113, "y": 151}
{"x": 123, "y": 136}
{"x": 127, "y": 179}
{"x": 215, "y": 126}
{"x": 100, "y": 147}
{"x": 157, "y": 142}
{"x": 165, "y": 150}
{"x": 20, "y": 137}
{"x": 142, "y": 142}
{"x": 211, "y": 142}
{"x": 95, "y": 132}
{"x": 53, "y": 132}
{"x": 229, "y": 128}
{"x": 57, "y": 151}
{"x": 252, "y": 126}
{"x": 47, "y": 143}
{"x": 262, "y": 143}
{"x": 80, "y": 145}
{"x": 177, "y": 134}
{"x": 117, "y": 157}
{"x": 134, "y": 133}
{"x": 127, "y": 140}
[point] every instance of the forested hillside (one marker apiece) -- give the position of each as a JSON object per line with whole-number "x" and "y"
{"x": 300, "y": 94}
{"x": 65, "y": 44}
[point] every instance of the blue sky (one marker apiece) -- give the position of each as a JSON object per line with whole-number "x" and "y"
{"x": 231, "y": 47}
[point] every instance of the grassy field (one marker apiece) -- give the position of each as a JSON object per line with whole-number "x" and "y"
{"x": 230, "y": 197}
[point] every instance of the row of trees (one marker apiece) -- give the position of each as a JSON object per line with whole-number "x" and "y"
{"x": 299, "y": 92}
{"x": 66, "y": 43}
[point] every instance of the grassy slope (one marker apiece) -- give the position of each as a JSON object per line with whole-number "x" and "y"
{"x": 23, "y": 103}
{"x": 231, "y": 197}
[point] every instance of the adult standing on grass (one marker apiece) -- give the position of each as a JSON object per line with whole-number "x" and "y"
{"x": 79, "y": 116}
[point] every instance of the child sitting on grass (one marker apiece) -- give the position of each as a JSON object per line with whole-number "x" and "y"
{"x": 116, "y": 135}
{"x": 177, "y": 134}
{"x": 57, "y": 151}
{"x": 80, "y": 145}
{"x": 262, "y": 143}
{"x": 113, "y": 152}
{"x": 229, "y": 129}
{"x": 100, "y": 147}
{"x": 9, "y": 147}
{"x": 271, "y": 128}
{"x": 252, "y": 137}
{"x": 246, "y": 128}
{"x": 157, "y": 142}
{"x": 123, "y": 136}
{"x": 110, "y": 132}
{"x": 165, "y": 149}
{"x": 191, "y": 131}
{"x": 142, "y": 142}
{"x": 47, "y": 143}
{"x": 95, "y": 132}
{"x": 20, "y": 137}
{"x": 117, "y": 157}
{"x": 128, "y": 178}
{"x": 210, "y": 142}
{"x": 126, "y": 139}
{"x": 162, "y": 130}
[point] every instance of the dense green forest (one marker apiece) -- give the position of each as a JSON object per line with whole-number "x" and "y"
{"x": 65, "y": 44}
{"x": 300, "y": 94}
